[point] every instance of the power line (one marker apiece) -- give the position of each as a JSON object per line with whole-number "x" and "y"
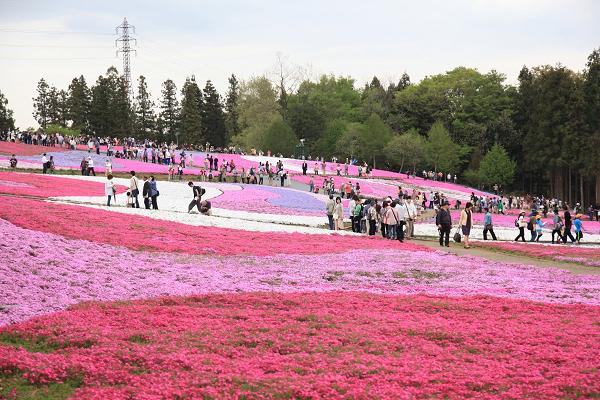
{"x": 54, "y": 46}
{"x": 42, "y": 32}
{"x": 56, "y": 59}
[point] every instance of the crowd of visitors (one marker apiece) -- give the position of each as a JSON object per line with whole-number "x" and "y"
{"x": 392, "y": 218}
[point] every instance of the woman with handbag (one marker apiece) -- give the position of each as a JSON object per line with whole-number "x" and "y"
{"x": 466, "y": 223}
{"x": 134, "y": 188}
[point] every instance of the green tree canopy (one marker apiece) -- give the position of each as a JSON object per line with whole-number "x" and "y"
{"x": 190, "y": 116}
{"x": 441, "y": 152}
{"x": 405, "y": 150}
{"x": 7, "y": 122}
{"x": 496, "y": 167}
{"x": 279, "y": 138}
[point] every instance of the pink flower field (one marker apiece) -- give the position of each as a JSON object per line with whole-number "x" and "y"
{"x": 48, "y": 186}
{"x": 306, "y": 345}
{"x": 20, "y": 149}
{"x": 98, "y": 304}
{"x": 579, "y": 255}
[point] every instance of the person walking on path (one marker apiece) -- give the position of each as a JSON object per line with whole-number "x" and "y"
{"x": 539, "y": 226}
{"x": 466, "y": 223}
{"x": 443, "y": 220}
{"x": 44, "y": 163}
{"x": 330, "y": 207}
{"x": 197, "y": 191}
{"x": 109, "y": 189}
{"x": 412, "y": 216}
{"x": 134, "y": 188}
{"x": 531, "y": 226}
{"x": 338, "y": 214}
{"x": 90, "y": 166}
{"x": 402, "y": 212}
{"x": 390, "y": 219}
{"x": 568, "y": 224}
{"x": 578, "y": 224}
{"x": 372, "y": 218}
{"x": 153, "y": 193}
{"x": 356, "y": 215}
{"x": 487, "y": 225}
{"x": 521, "y": 224}
{"x": 557, "y": 225}
{"x": 146, "y": 193}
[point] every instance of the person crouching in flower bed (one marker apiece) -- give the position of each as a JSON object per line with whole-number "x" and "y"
{"x": 13, "y": 162}
{"x": 205, "y": 207}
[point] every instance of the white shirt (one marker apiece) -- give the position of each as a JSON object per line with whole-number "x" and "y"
{"x": 412, "y": 209}
{"x": 402, "y": 211}
{"x": 90, "y": 163}
{"x": 109, "y": 187}
{"x": 44, "y": 160}
{"x": 351, "y": 205}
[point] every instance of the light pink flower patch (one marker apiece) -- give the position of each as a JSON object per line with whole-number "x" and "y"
{"x": 48, "y": 185}
{"x": 312, "y": 346}
{"x": 48, "y": 272}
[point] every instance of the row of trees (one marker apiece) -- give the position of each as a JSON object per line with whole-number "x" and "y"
{"x": 105, "y": 109}
{"x": 545, "y": 131}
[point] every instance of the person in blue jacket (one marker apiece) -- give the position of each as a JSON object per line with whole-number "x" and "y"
{"x": 487, "y": 225}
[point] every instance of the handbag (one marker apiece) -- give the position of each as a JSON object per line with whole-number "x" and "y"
{"x": 457, "y": 237}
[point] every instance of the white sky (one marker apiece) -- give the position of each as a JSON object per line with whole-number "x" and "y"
{"x": 61, "y": 39}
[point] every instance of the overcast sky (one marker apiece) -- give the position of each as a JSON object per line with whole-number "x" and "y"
{"x": 61, "y": 39}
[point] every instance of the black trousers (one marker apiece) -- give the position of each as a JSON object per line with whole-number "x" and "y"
{"x": 400, "y": 230}
{"x": 154, "y": 203}
{"x": 568, "y": 234}
{"x": 445, "y": 235}
{"x": 194, "y": 203}
{"x": 521, "y": 234}
{"x": 560, "y": 237}
{"x": 491, "y": 231}
{"x": 372, "y": 227}
{"x": 147, "y": 202}
{"x": 383, "y": 230}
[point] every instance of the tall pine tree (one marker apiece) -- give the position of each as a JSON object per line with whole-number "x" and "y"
{"x": 169, "y": 115}
{"x": 213, "y": 118}
{"x": 101, "y": 118}
{"x": 79, "y": 104}
{"x": 41, "y": 104}
{"x": 190, "y": 118}
{"x": 121, "y": 110}
{"x": 7, "y": 122}
{"x": 231, "y": 108}
{"x": 145, "y": 120}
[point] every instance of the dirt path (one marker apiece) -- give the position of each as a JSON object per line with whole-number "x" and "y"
{"x": 511, "y": 258}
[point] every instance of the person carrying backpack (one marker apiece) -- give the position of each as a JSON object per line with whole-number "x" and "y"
{"x": 357, "y": 215}
{"x": 557, "y": 225}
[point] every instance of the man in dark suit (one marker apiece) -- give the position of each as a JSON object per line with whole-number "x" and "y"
{"x": 304, "y": 168}
{"x": 443, "y": 220}
{"x": 146, "y": 193}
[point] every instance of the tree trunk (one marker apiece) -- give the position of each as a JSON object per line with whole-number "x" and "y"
{"x": 581, "y": 192}
{"x": 570, "y": 187}
{"x": 401, "y": 164}
{"x": 597, "y": 199}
